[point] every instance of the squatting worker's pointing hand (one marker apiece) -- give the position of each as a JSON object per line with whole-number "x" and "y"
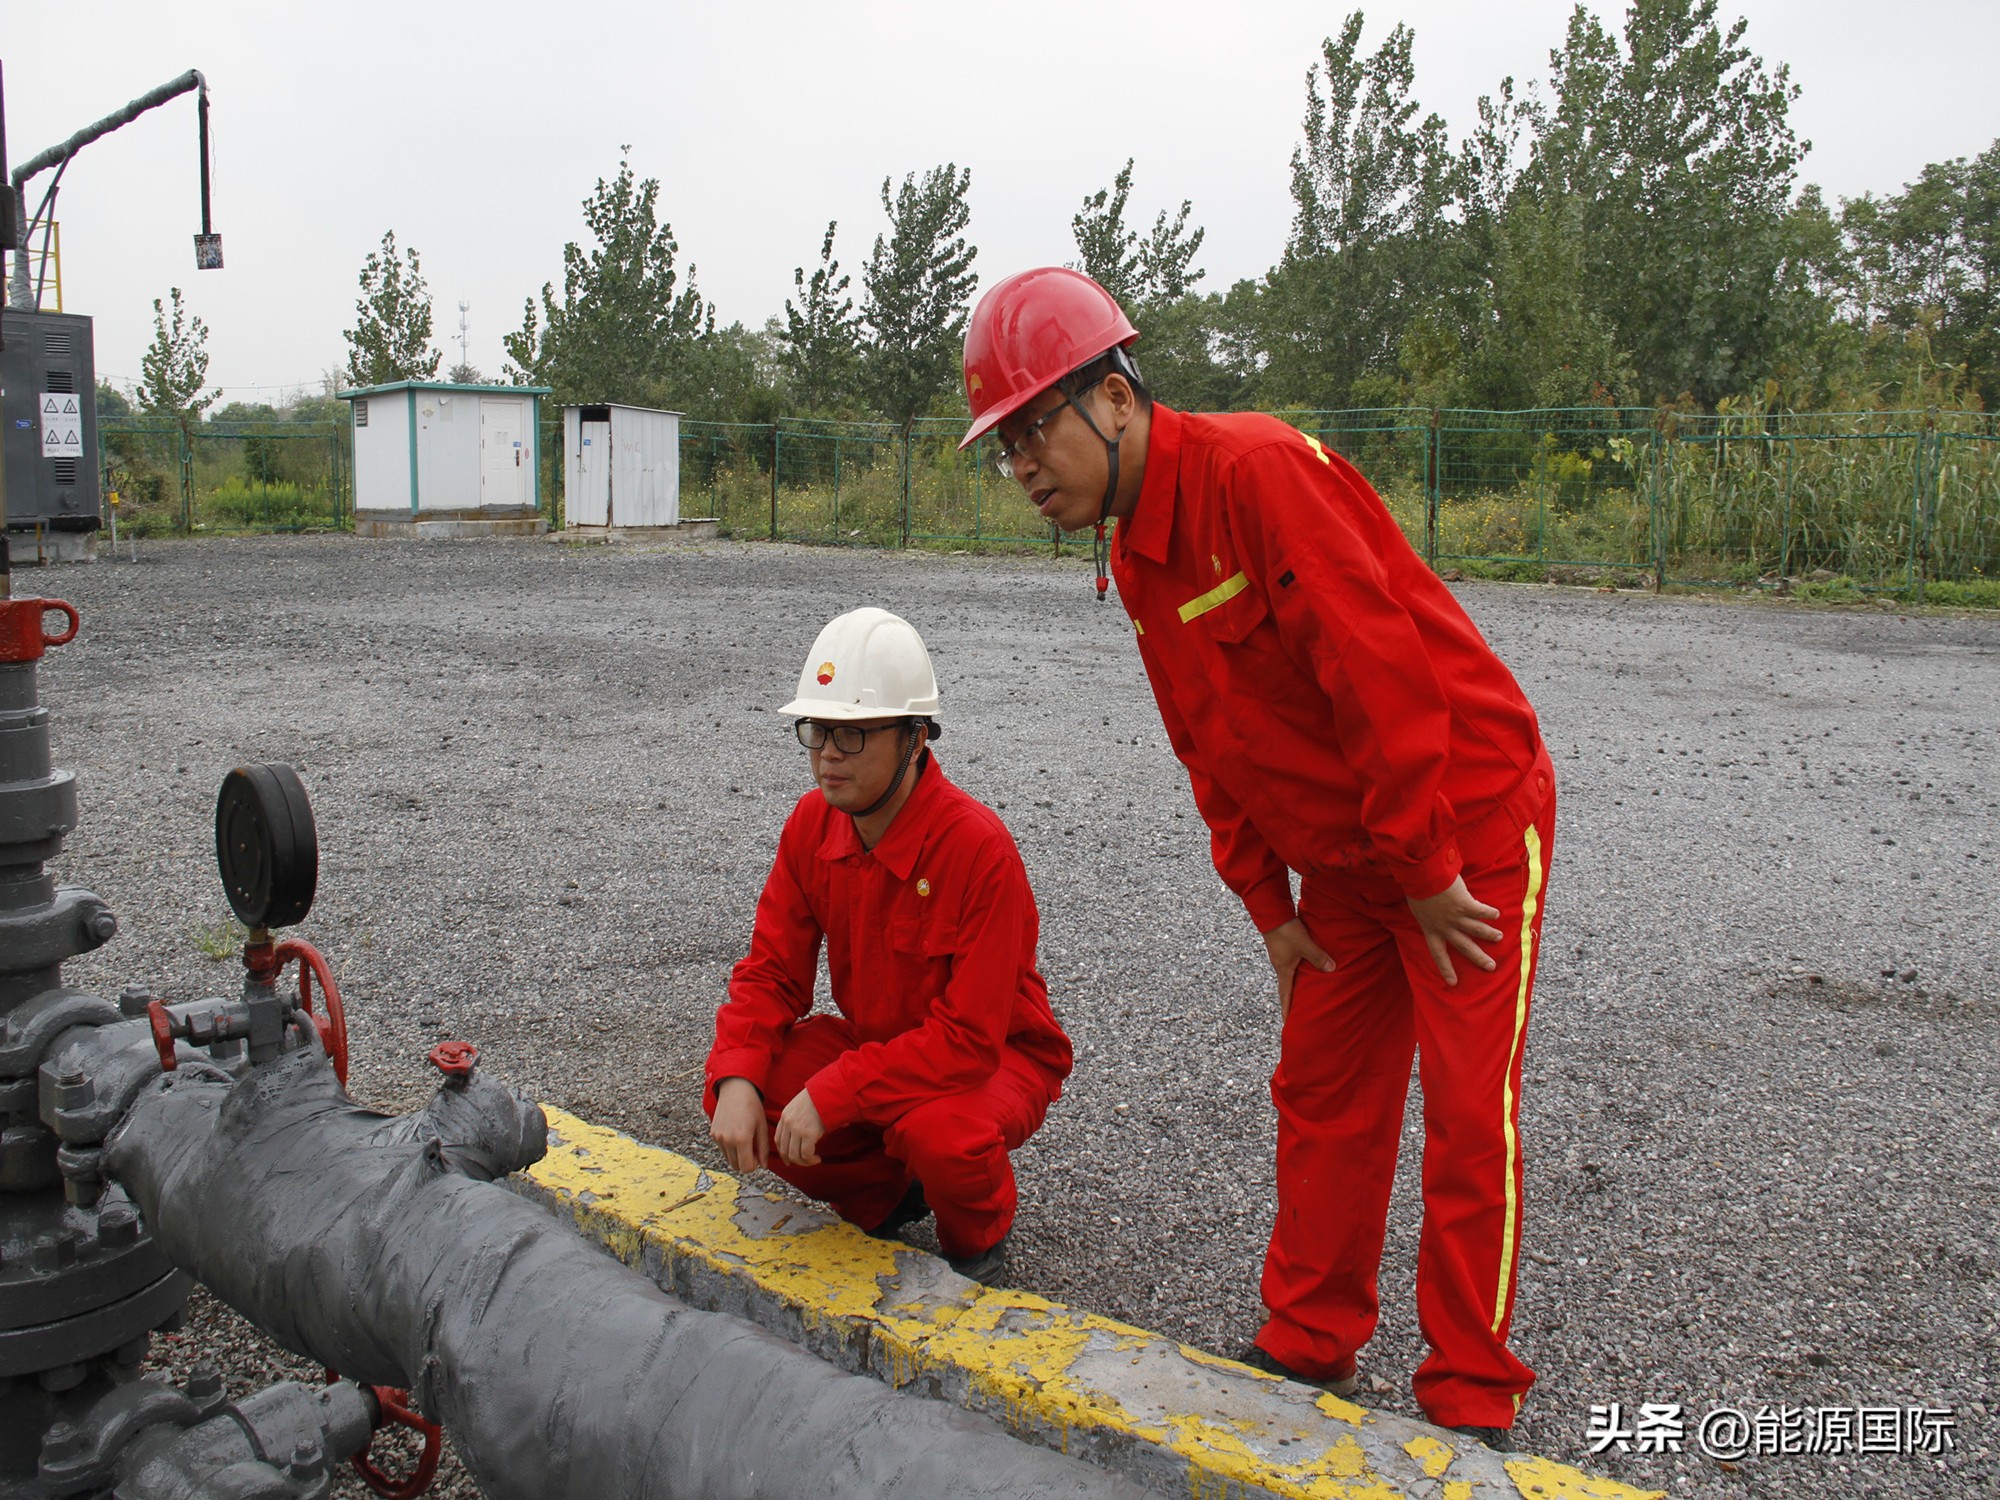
{"x": 799, "y": 1130}
{"x": 1290, "y": 946}
{"x": 739, "y": 1126}
{"x": 1453, "y": 918}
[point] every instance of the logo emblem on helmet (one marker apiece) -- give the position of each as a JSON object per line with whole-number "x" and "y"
{"x": 825, "y": 673}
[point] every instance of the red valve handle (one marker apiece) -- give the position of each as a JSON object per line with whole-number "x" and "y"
{"x": 68, "y": 635}
{"x": 454, "y": 1059}
{"x": 332, "y": 1027}
{"x": 22, "y": 636}
{"x": 163, "y": 1035}
{"x": 394, "y": 1406}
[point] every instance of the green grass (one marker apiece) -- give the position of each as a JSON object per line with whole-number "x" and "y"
{"x": 220, "y": 940}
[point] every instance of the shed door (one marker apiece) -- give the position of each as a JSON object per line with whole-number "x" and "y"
{"x": 591, "y": 505}
{"x": 504, "y": 454}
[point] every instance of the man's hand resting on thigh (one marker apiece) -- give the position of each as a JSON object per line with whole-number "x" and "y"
{"x": 1454, "y": 918}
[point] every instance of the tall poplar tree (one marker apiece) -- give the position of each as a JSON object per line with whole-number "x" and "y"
{"x": 918, "y": 287}
{"x": 391, "y": 336}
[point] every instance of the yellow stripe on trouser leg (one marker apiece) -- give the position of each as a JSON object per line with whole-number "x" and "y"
{"x": 1530, "y": 904}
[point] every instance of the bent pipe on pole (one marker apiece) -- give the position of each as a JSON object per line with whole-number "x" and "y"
{"x": 22, "y": 294}
{"x": 557, "y": 1371}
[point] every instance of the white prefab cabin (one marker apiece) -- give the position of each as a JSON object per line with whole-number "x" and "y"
{"x": 621, "y": 467}
{"x": 432, "y": 451}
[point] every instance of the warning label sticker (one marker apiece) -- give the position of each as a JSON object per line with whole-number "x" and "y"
{"x": 62, "y": 424}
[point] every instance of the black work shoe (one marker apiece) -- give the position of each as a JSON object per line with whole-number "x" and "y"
{"x": 1499, "y": 1439}
{"x": 1257, "y": 1357}
{"x": 912, "y": 1210}
{"x": 986, "y": 1266}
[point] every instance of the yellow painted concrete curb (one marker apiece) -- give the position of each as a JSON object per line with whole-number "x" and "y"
{"x": 1171, "y": 1417}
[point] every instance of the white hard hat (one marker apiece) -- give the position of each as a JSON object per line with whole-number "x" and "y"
{"x": 866, "y": 664}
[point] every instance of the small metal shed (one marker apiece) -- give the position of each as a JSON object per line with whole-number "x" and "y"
{"x": 444, "y": 459}
{"x": 621, "y": 466}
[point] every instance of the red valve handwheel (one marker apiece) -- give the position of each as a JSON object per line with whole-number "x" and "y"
{"x": 332, "y": 1027}
{"x": 454, "y": 1059}
{"x": 394, "y": 1406}
{"x": 163, "y": 1035}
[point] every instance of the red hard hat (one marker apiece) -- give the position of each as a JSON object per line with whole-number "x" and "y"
{"x": 1028, "y": 332}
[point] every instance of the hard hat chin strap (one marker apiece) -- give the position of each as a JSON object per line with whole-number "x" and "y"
{"x": 912, "y": 739}
{"x": 1103, "y": 547}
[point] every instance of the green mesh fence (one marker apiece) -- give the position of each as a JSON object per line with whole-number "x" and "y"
{"x": 245, "y": 476}
{"x": 1881, "y": 501}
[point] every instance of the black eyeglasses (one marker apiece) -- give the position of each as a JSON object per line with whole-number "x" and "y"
{"x": 847, "y": 738}
{"x": 1033, "y": 437}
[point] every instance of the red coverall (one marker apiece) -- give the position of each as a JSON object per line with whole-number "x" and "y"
{"x": 1339, "y": 715}
{"x": 945, "y": 1055}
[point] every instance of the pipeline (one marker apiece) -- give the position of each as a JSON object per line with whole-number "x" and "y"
{"x": 147, "y": 1146}
{"x": 557, "y": 1371}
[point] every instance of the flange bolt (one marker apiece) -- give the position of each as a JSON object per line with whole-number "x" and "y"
{"x": 118, "y": 1226}
{"x": 61, "y": 1442}
{"x": 305, "y": 1458}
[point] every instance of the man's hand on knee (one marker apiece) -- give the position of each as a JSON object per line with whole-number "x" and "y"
{"x": 739, "y": 1126}
{"x": 799, "y": 1130}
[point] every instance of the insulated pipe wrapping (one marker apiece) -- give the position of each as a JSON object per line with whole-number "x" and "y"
{"x": 557, "y": 1371}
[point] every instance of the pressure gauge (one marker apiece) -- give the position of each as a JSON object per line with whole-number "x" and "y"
{"x": 266, "y": 845}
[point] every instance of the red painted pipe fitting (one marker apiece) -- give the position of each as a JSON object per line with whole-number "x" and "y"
{"x": 393, "y": 1406}
{"x": 23, "y": 631}
{"x": 454, "y": 1059}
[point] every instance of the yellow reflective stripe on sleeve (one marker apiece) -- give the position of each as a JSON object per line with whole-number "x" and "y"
{"x": 1138, "y": 624}
{"x": 1317, "y": 448}
{"x": 1510, "y": 1228}
{"x": 1221, "y": 594}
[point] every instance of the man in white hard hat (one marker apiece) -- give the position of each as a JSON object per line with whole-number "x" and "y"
{"x": 945, "y": 1055}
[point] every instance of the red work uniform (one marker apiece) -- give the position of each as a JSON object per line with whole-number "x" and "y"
{"x": 1340, "y": 716}
{"x": 945, "y": 1055}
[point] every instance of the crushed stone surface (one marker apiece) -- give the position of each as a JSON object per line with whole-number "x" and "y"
{"x": 1760, "y": 1115}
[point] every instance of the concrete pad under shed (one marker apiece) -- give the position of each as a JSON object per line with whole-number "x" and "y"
{"x": 695, "y": 529}
{"x": 435, "y": 528}
{"x": 1169, "y": 1416}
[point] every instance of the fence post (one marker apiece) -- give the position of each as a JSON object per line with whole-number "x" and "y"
{"x": 1785, "y": 546}
{"x": 909, "y": 425}
{"x": 774, "y": 481}
{"x": 1929, "y": 477}
{"x": 1663, "y": 434}
{"x": 1433, "y": 487}
{"x": 187, "y": 482}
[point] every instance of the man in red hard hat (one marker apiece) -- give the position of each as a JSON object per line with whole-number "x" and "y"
{"x": 1339, "y": 717}
{"x": 944, "y": 1056}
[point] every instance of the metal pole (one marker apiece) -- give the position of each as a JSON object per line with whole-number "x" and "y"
{"x": 1785, "y": 544}
{"x": 774, "y": 481}
{"x": 909, "y": 425}
{"x": 1433, "y": 487}
{"x": 10, "y": 239}
{"x": 23, "y": 292}
{"x": 201, "y": 125}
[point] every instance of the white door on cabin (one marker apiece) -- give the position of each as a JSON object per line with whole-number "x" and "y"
{"x": 591, "y": 505}
{"x": 505, "y": 458}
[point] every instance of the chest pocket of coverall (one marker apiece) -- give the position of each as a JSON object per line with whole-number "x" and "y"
{"x": 1227, "y": 641}
{"x": 923, "y": 958}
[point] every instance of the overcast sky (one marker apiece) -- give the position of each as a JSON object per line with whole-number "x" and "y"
{"x": 475, "y": 130}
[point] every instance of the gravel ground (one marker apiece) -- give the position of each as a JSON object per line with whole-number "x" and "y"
{"x": 1761, "y": 1112}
